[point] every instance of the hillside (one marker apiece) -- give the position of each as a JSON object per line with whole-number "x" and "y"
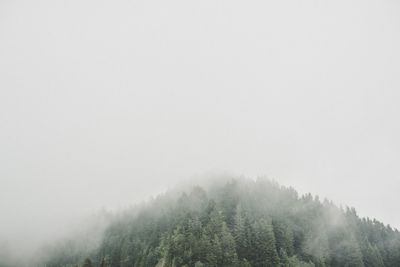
{"x": 239, "y": 223}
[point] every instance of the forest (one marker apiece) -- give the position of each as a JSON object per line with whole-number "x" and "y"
{"x": 239, "y": 223}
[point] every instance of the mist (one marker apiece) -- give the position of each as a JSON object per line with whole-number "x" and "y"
{"x": 106, "y": 103}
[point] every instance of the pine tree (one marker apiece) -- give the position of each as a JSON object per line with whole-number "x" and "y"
{"x": 87, "y": 263}
{"x": 347, "y": 253}
{"x": 284, "y": 259}
{"x": 105, "y": 261}
{"x": 283, "y": 236}
{"x": 243, "y": 234}
{"x": 371, "y": 256}
{"x": 229, "y": 255}
{"x": 265, "y": 246}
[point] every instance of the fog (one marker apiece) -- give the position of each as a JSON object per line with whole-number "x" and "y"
{"x": 105, "y": 103}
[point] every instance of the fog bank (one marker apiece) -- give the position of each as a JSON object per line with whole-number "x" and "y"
{"x": 105, "y": 103}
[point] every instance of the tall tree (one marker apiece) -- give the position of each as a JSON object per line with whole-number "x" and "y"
{"x": 87, "y": 263}
{"x": 265, "y": 245}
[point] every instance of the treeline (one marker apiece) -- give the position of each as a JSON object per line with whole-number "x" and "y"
{"x": 241, "y": 223}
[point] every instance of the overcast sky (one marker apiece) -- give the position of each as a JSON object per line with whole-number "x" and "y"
{"x": 103, "y": 103}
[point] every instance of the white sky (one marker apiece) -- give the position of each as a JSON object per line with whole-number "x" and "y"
{"x": 103, "y": 103}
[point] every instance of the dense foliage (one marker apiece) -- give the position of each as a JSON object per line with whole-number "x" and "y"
{"x": 241, "y": 223}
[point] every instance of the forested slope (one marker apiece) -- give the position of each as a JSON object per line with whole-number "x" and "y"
{"x": 240, "y": 223}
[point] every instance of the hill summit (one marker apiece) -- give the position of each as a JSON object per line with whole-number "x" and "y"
{"x": 239, "y": 223}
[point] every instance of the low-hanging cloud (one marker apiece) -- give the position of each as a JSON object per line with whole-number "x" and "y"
{"x": 104, "y": 103}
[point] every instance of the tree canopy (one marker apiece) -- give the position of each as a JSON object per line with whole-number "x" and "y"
{"x": 241, "y": 223}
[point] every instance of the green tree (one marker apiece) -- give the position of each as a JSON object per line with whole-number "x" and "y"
{"x": 265, "y": 246}
{"x": 87, "y": 263}
{"x": 371, "y": 256}
{"x": 229, "y": 255}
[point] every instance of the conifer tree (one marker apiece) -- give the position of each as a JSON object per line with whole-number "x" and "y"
{"x": 265, "y": 246}
{"x": 87, "y": 263}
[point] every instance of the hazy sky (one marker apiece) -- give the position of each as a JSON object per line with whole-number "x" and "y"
{"x": 103, "y": 103}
